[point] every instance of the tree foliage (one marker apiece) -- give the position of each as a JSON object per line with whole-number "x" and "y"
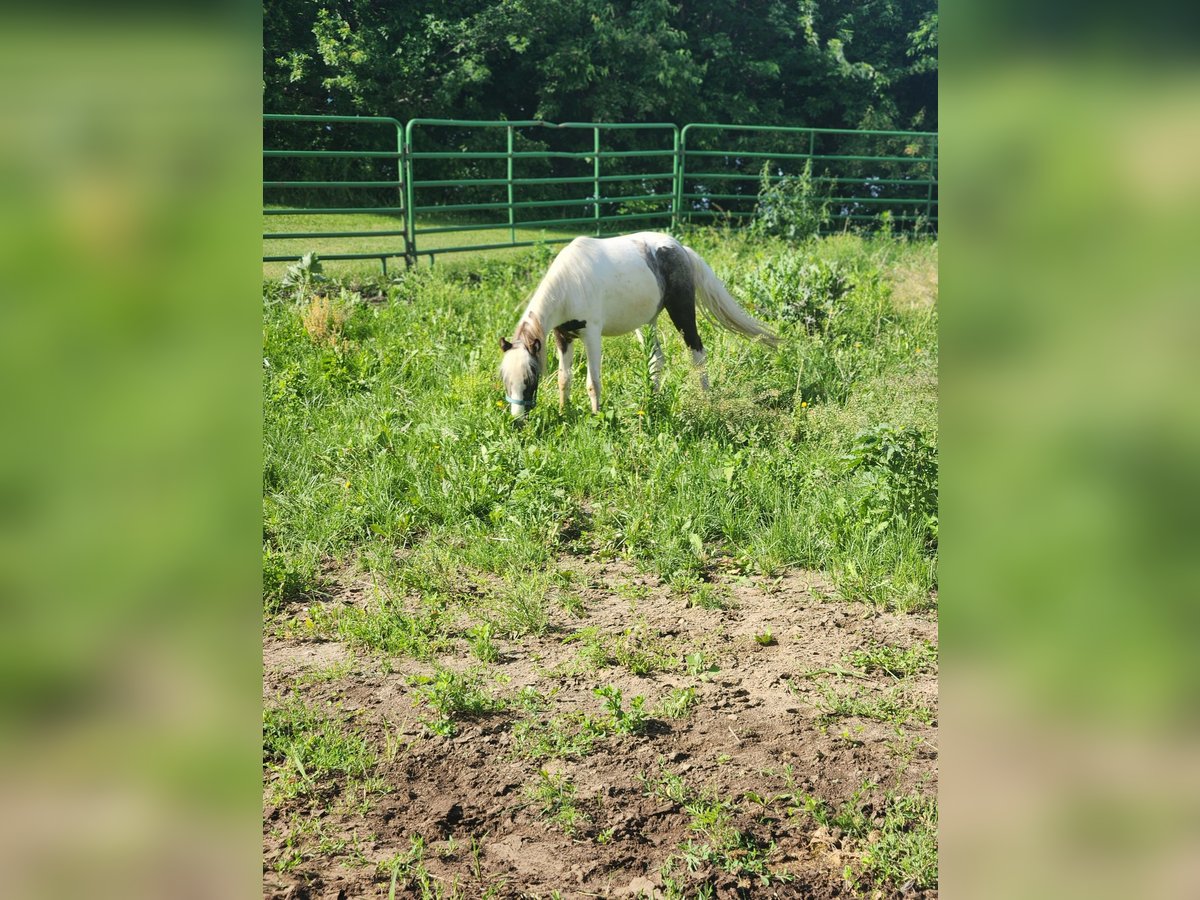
{"x": 832, "y": 63}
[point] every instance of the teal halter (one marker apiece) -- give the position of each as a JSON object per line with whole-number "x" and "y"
{"x": 528, "y": 404}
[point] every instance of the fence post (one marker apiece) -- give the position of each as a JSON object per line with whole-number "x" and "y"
{"x": 675, "y": 182}
{"x": 932, "y": 170}
{"x": 680, "y": 172}
{"x": 406, "y": 206}
{"x": 596, "y": 171}
{"x": 410, "y": 236}
{"x": 512, "y": 229}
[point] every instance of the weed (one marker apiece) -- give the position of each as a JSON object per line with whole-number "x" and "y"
{"x": 452, "y": 696}
{"x": 555, "y": 797}
{"x": 764, "y": 638}
{"x": 325, "y": 318}
{"x": 678, "y": 703}
{"x": 407, "y": 870}
{"x": 895, "y": 661}
{"x": 620, "y": 720}
{"x": 482, "y": 644}
{"x": 698, "y": 665}
{"x": 300, "y": 277}
{"x": 891, "y": 707}
{"x": 788, "y": 205}
{"x": 304, "y": 749}
{"x": 900, "y": 470}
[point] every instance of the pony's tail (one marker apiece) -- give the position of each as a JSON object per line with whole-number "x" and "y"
{"x": 714, "y": 299}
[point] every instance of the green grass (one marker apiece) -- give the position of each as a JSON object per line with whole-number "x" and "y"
{"x": 554, "y": 796}
{"x": 574, "y": 734}
{"x": 454, "y": 696}
{"x": 895, "y": 661}
{"x": 892, "y": 707}
{"x": 719, "y": 842}
{"x": 301, "y": 222}
{"x": 306, "y": 751}
{"x": 386, "y": 449}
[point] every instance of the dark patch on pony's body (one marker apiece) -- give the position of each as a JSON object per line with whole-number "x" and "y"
{"x": 673, "y": 269}
{"x": 567, "y": 332}
{"x": 571, "y": 328}
{"x": 652, "y": 264}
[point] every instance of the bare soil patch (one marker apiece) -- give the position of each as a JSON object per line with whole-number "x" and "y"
{"x": 765, "y": 731}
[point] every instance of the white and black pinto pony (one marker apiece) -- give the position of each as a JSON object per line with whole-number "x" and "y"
{"x": 605, "y": 286}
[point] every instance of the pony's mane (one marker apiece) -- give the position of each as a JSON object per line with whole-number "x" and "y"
{"x": 568, "y": 273}
{"x": 518, "y": 367}
{"x": 529, "y": 330}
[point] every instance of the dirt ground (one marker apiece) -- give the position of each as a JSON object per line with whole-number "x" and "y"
{"x": 759, "y": 732}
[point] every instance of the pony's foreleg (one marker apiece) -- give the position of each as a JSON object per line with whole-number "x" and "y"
{"x": 566, "y": 353}
{"x": 656, "y": 354}
{"x": 591, "y": 345}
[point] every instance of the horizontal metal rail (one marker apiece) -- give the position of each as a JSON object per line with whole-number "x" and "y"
{"x": 390, "y": 176}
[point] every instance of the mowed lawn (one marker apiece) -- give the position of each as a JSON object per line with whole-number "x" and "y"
{"x": 386, "y": 444}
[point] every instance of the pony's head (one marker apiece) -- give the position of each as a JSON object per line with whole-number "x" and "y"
{"x": 520, "y": 370}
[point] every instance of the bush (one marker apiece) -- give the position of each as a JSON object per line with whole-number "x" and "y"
{"x": 901, "y": 468}
{"x": 788, "y": 207}
{"x": 795, "y": 291}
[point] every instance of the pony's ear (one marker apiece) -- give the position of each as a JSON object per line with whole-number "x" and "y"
{"x": 536, "y": 346}
{"x": 505, "y": 344}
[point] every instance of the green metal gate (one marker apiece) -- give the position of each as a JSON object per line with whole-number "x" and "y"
{"x": 389, "y": 189}
{"x": 718, "y": 161}
{"x": 546, "y": 183}
{"x": 528, "y": 183}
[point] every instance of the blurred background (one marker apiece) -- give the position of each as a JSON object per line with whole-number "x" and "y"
{"x": 129, "y": 463}
{"x": 1070, "y": 430}
{"x": 129, "y": 534}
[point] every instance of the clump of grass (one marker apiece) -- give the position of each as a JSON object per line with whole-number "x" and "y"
{"x": 454, "y": 696}
{"x": 521, "y": 608}
{"x": 304, "y": 750}
{"x": 575, "y": 733}
{"x": 720, "y": 842}
{"x": 286, "y": 577}
{"x": 678, "y": 703}
{"x": 642, "y": 651}
{"x": 387, "y": 629}
{"x": 906, "y": 850}
{"x": 483, "y": 645}
{"x": 555, "y": 798}
{"x": 901, "y": 851}
{"x": 895, "y": 661}
{"x": 892, "y": 707}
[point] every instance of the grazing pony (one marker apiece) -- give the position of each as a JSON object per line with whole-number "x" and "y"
{"x": 606, "y": 286}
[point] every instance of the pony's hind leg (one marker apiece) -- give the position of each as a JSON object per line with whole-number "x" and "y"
{"x": 683, "y": 315}
{"x": 566, "y": 354}
{"x": 656, "y": 354}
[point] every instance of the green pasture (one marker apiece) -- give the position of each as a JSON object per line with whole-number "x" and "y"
{"x": 388, "y": 448}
